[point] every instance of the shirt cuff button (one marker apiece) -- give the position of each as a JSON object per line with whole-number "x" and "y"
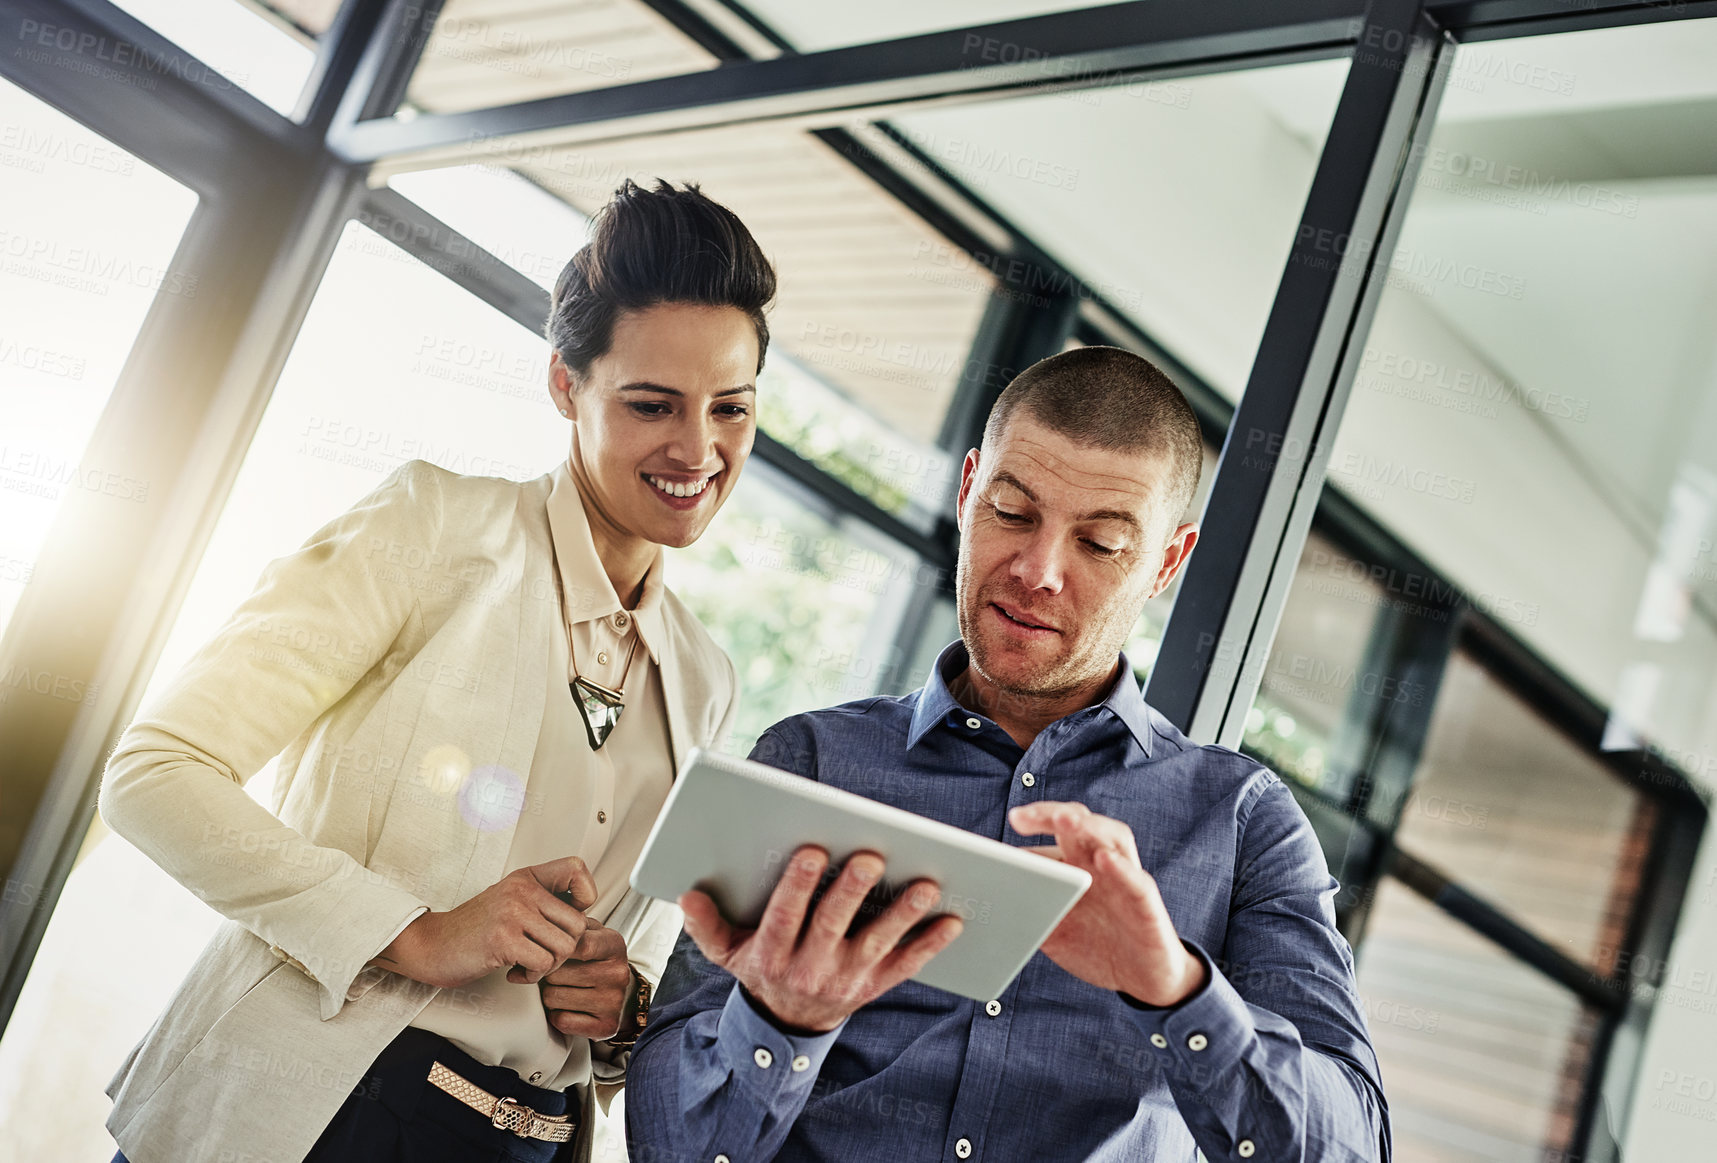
{"x": 1245, "y": 1148}
{"x": 802, "y": 1062}
{"x": 1159, "y": 1041}
{"x": 1197, "y": 1042}
{"x": 762, "y": 1057}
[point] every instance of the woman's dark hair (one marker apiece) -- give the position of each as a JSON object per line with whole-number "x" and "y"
{"x": 650, "y": 246}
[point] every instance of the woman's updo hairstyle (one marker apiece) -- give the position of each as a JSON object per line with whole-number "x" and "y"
{"x": 650, "y": 246}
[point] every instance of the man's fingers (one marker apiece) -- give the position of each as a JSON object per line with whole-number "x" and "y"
{"x": 784, "y": 916}
{"x": 713, "y": 936}
{"x": 840, "y": 904}
{"x": 568, "y": 874}
{"x": 1133, "y": 880}
{"x": 879, "y": 938}
{"x": 1080, "y": 833}
{"x": 1039, "y": 819}
{"x": 906, "y": 962}
{"x": 1049, "y": 852}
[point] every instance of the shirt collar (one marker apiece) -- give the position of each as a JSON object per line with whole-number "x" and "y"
{"x": 936, "y": 702}
{"x": 586, "y": 592}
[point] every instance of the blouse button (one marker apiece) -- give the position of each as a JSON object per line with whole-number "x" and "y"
{"x": 620, "y": 620}
{"x": 601, "y": 817}
{"x": 602, "y": 658}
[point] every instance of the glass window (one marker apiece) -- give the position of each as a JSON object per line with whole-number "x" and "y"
{"x": 491, "y": 52}
{"x": 1175, "y": 201}
{"x": 1317, "y": 670}
{"x": 813, "y": 622}
{"x": 1534, "y": 416}
{"x": 260, "y": 48}
{"x": 1507, "y": 805}
{"x": 1482, "y": 1057}
{"x": 86, "y": 243}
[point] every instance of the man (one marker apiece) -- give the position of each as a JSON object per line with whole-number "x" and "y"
{"x": 1197, "y": 996}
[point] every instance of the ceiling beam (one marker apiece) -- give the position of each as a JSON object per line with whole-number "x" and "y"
{"x": 1061, "y": 50}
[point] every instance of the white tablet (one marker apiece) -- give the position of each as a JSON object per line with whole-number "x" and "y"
{"x": 729, "y": 826}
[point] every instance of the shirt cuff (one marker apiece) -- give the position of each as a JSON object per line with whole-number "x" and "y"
{"x": 371, "y": 975}
{"x": 1204, "y": 1034}
{"x": 763, "y": 1058}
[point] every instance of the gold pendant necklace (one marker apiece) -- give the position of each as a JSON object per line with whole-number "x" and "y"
{"x": 600, "y": 705}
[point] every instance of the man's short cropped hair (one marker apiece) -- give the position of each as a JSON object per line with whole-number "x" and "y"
{"x": 1114, "y": 400}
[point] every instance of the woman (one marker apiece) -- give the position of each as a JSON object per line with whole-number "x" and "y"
{"x": 482, "y": 689}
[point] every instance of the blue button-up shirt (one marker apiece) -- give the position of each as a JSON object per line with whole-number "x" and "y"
{"x": 1270, "y": 1060}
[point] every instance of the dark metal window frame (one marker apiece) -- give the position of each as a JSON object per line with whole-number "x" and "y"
{"x": 276, "y": 192}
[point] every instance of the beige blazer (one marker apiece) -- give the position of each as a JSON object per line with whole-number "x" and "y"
{"x": 405, "y": 644}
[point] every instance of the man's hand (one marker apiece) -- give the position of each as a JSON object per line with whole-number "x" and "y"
{"x": 517, "y": 922}
{"x": 1119, "y": 935}
{"x": 587, "y": 994}
{"x": 815, "y": 981}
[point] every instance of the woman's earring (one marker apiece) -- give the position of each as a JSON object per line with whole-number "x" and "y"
{"x": 563, "y": 411}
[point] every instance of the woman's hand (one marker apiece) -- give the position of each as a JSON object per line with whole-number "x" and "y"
{"x": 518, "y": 921}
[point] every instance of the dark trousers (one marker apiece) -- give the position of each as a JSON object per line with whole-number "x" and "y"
{"x": 395, "y": 1116}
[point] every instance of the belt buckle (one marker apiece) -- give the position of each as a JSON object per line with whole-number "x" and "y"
{"x": 510, "y": 1116}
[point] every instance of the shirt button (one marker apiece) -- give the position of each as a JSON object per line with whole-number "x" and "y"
{"x": 1159, "y": 1041}
{"x": 1197, "y": 1042}
{"x": 974, "y": 724}
{"x": 620, "y": 621}
{"x": 802, "y": 1063}
{"x": 537, "y": 1077}
{"x": 1028, "y": 779}
{"x": 762, "y": 1057}
{"x": 721, "y": 1159}
{"x": 601, "y": 817}
{"x": 602, "y": 658}
{"x": 1245, "y": 1148}
{"x": 963, "y": 1148}
{"x": 992, "y": 1007}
